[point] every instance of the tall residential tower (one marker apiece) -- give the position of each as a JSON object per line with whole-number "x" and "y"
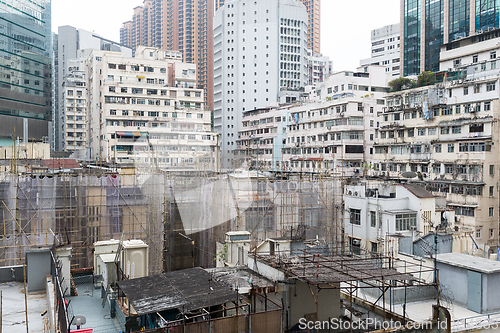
{"x": 260, "y": 49}
{"x": 313, "y": 8}
{"x": 69, "y": 41}
{"x": 181, "y": 25}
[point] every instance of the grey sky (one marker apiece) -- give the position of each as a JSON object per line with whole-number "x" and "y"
{"x": 345, "y": 25}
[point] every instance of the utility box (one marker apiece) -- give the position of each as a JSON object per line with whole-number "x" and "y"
{"x": 134, "y": 259}
{"x": 104, "y": 260}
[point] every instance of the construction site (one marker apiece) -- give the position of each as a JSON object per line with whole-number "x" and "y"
{"x": 180, "y": 214}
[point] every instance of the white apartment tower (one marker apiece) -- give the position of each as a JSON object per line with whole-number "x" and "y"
{"x": 69, "y": 41}
{"x": 385, "y": 49}
{"x": 74, "y": 93}
{"x": 260, "y": 48}
{"x": 319, "y": 68}
{"x": 147, "y": 110}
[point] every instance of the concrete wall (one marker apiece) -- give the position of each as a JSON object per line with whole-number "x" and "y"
{"x": 397, "y": 295}
{"x": 11, "y": 273}
{"x": 302, "y": 303}
{"x": 491, "y": 292}
{"x": 454, "y": 278}
{"x": 38, "y": 267}
{"x": 64, "y": 254}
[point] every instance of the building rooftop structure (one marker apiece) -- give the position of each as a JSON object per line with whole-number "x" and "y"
{"x": 186, "y": 290}
{"x": 469, "y": 262}
{"x": 317, "y": 269}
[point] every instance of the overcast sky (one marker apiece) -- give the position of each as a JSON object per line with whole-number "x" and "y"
{"x": 345, "y": 25}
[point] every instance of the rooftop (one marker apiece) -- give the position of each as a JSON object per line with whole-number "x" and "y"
{"x": 469, "y": 262}
{"x": 315, "y": 268}
{"x": 240, "y": 277}
{"x": 13, "y": 315}
{"x": 90, "y": 304}
{"x": 185, "y": 290}
{"x": 418, "y": 191}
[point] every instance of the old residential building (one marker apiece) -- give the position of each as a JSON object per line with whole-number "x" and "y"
{"x": 374, "y": 213}
{"x": 74, "y": 102}
{"x": 261, "y": 139}
{"x": 319, "y": 67}
{"x": 448, "y": 135}
{"x": 338, "y": 132}
{"x": 148, "y": 110}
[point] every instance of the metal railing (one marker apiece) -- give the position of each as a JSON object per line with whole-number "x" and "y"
{"x": 475, "y": 322}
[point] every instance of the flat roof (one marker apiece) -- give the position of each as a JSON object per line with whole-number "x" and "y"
{"x": 186, "y": 290}
{"x": 466, "y": 261}
{"x": 13, "y": 315}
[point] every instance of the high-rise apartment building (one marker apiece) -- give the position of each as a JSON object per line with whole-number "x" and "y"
{"x": 70, "y": 41}
{"x": 319, "y": 68}
{"x": 386, "y": 49}
{"x": 181, "y": 25}
{"x": 260, "y": 49}
{"x": 313, "y": 8}
{"x": 75, "y": 104}
{"x": 147, "y": 110}
{"x": 25, "y": 70}
{"x": 426, "y": 25}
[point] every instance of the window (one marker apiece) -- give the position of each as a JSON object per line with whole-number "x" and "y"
{"x": 373, "y": 219}
{"x": 487, "y": 105}
{"x": 478, "y": 233}
{"x": 421, "y": 131}
{"x": 432, "y": 131}
{"x": 406, "y": 221}
{"x": 451, "y": 147}
{"x": 490, "y": 86}
{"x": 477, "y": 88}
{"x": 476, "y": 128}
{"x": 456, "y": 129}
{"x": 355, "y": 216}
{"x": 491, "y": 191}
{"x": 491, "y": 211}
{"x": 492, "y": 170}
{"x": 466, "y": 90}
{"x": 437, "y": 148}
{"x": 474, "y": 58}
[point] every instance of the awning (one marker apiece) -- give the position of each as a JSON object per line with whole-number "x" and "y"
{"x": 296, "y": 159}
{"x": 125, "y": 134}
{"x": 315, "y": 159}
{"x": 136, "y": 133}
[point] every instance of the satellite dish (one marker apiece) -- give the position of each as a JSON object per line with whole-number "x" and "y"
{"x": 446, "y": 215}
{"x": 409, "y": 174}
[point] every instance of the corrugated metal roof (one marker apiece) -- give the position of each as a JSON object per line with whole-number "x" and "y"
{"x": 185, "y": 290}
